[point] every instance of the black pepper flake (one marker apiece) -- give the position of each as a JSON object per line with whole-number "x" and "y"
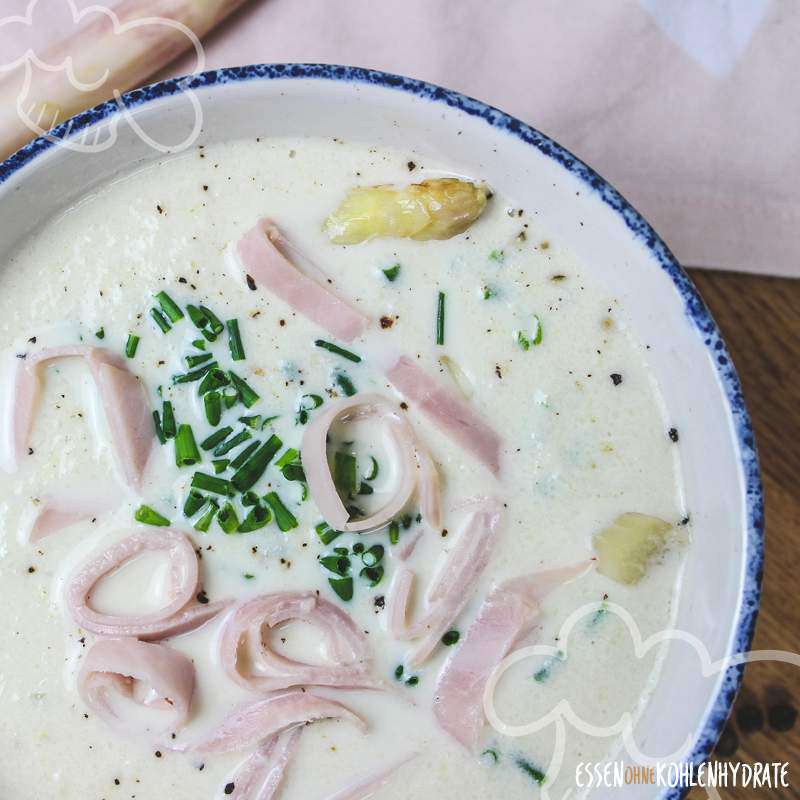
{"x": 31, "y": 569}
{"x": 202, "y": 597}
{"x": 379, "y": 601}
{"x": 404, "y": 405}
{"x": 673, "y": 434}
{"x": 116, "y": 781}
{"x": 229, "y": 787}
{"x": 251, "y": 284}
{"x": 205, "y": 187}
{"x": 159, "y": 209}
{"x": 32, "y": 340}
{"x": 685, "y": 521}
{"x": 157, "y": 754}
{"x": 387, "y": 322}
{"x": 616, "y": 378}
{"x": 411, "y": 166}
{"x": 181, "y": 280}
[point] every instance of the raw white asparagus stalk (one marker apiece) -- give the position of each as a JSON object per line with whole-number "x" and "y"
{"x": 104, "y": 61}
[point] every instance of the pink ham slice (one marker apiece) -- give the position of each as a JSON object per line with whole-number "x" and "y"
{"x": 260, "y": 775}
{"x": 121, "y": 392}
{"x": 507, "y": 613}
{"x": 253, "y": 724}
{"x": 249, "y": 659}
{"x": 63, "y": 509}
{"x": 447, "y": 410}
{"x": 182, "y": 613}
{"x": 120, "y": 678}
{"x": 263, "y": 253}
{"x": 451, "y": 589}
{"x": 366, "y": 788}
{"x": 414, "y": 465}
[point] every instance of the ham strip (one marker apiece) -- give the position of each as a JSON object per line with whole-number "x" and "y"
{"x": 451, "y": 589}
{"x": 120, "y": 674}
{"x": 182, "y": 613}
{"x": 249, "y": 659}
{"x": 260, "y": 775}
{"x": 506, "y": 614}
{"x": 263, "y": 253}
{"x": 415, "y": 466}
{"x": 121, "y": 392}
{"x": 257, "y": 722}
{"x": 447, "y": 411}
{"x": 366, "y": 788}
{"x": 63, "y": 509}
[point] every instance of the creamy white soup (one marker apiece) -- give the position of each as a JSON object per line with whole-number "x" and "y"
{"x": 278, "y": 508}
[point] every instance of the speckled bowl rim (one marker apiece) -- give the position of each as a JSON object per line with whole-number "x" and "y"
{"x": 694, "y": 307}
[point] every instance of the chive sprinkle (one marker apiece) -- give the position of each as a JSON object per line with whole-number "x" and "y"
{"x": 450, "y": 638}
{"x": 246, "y": 393}
{"x": 212, "y": 403}
{"x": 530, "y": 769}
{"x": 339, "y": 564}
{"x": 216, "y": 437}
{"x": 194, "y": 502}
{"x": 169, "y": 419}
{"x": 159, "y": 428}
{"x": 285, "y": 519}
{"x": 195, "y": 374}
{"x": 101, "y": 333}
{"x": 244, "y": 455}
{"x": 204, "y": 523}
{"x": 373, "y": 574}
{"x": 294, "y": 472}
{"x": 250, "y": 498}
{"x": 169, "y": 307}
{"x": 288, "y": 456}
{"x": 230, "y": 397}
{"x": 339, "y": 351}
{"x": 212, "y": 483}
{"x": 253, "y": 421}
{"x": 131, "y": 345}
{"x": 394, "y": 532}
{"x": 537, "y": 336}
{"x": 344, "y": 473}
{"x": 234, "y": 441}
{"x": 197, "y": 359}
{"x": 258, "y": 517}
{"x": 197, "y": 316}
{"x": 247, "y": 475}
{"x": 213, "y": 321}
{"x": 343, "y": 587}
{"x": 235, "y": 340}
{"x": 373, "y": 473}
{"x": 215, "y": 379}
{"x": 440, "y": 319}
{"x": 220, "y": 465}
{"x": 186, "y": 452}
{"x": 325, "y": 532}
{"x": 199, "y": 344}
{"x": 149, "y": 516}
{"x": 160, "y": 320}
{"x": 345, "y": 384}
{"x": 373, "y": 556}
{"x": 392, "y": 272}
{"x": 227, "y": 519}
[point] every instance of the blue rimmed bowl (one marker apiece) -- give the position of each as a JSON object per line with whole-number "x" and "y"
{"x": 719, "y": 598}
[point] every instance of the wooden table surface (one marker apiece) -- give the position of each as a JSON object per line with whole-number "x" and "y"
{"x": 760, "y": 320}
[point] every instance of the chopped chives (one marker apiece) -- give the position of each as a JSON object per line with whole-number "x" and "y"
{"x": 325, "y": 532}
{"x": 247, "y": 475}
{"x": 199, "y": 344}
{"x": 101, "y": 333}
{"x": 216, "y": 437}
{"x": 450, "y": 638}
{"x": 285, "y": 519}
{"x": 308, "y": 402}
{"x": 365, "y": 488}
{"x": 373, "y": 574}
{"x": 195, "y": 374}
{"x": 227, "y": 519}
{"x": 489, "y": 292}
{"x": 392, "y": 272}
{"x": 197, "y": 316}
{"x": 398, "y": 671}
{"x": 214, "y": 379}
{"x": 294, "y": 472}
{"x": 394, "y": 532}
{"x": 339, "y": 351}
{"x": 413, "y": 681}
{"x": 373, "y": 473}
{"x": 289, "y": 455}
{"x": 168, "y": 416}
{"x": 268, "y": 421}
{"x": 345, "y": 384}
{"x": 213, "y": 321}
{"x": 212, "y": 403}
{"x": 344, "y": 473}
{"x": 343, "y": 587}
{"x": 530, "y": 769}
{"x": 250, "y": 498}
{"x": 159, "y": 429}
{"x": 204, "y": 523}
{"x": 537, "y": 336}
{"x": 440, "y": 319}
{"x": 149, "y": 516}
{"x": 194, "y": 502}
{"x": 186, "y": 452}
{"x": 246, "y": 393}
{"x": 197, "y": 359}
{"x": 523, "y": 341}
{"x": 169, "y": 307}
{"x": 234, "y": 441}
{"x": 229, "y": 395}
{"x": 244, "y": 455}
{"x": 212, "y": 483}
{"x": 338, "y": 564}
{"x": 373, "y": 556}
{"x": 235, "y": 340}
{"x": 131, "y": 345}
{"x": 253, "y": 421}
{"x": 258, "y": 517}
{"x": 220, "y": 465}
{"x": 160, "y": 320}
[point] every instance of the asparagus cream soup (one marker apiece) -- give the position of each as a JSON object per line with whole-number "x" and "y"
{"x": 304, "y": 438}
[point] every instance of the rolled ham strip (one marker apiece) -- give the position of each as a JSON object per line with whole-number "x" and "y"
{"x": 121, "y": 392}
{"x": 451, "y": 589}
{"x": 507, "y": 613}
{"x": 260, "y": 775}
{"x": 366, "y": 788}
{"x": 63, "y": 509}
{"x": 415, "y": 468}
{"x": 253, "y": 724}
{"x": 137, "y": 687}
{"x": 447, "y": 410}
{"x": 263, "y": 253}
{"x": 182, "y": 613}
{"x": 249, "y": 659}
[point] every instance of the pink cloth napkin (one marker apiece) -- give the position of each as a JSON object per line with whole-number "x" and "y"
{"x": 689, "y": 107}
